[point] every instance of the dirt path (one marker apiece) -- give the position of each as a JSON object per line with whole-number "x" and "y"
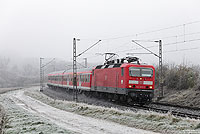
{"x": 71, "y": 121}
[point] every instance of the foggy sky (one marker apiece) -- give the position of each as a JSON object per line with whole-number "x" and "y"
{"x": 45, "y": 28}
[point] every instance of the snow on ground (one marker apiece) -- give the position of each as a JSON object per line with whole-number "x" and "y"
{"x": 164, "y": 123}
{"x": 2, "y": 118}
{"x": 71, "y": 121}
{"x": 21, "y": 121}
{"x": 4, "y": 90}
{"x": 32, "y": 112}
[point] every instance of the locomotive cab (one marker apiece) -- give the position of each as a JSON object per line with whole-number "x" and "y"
{"x": 140, "y": 82}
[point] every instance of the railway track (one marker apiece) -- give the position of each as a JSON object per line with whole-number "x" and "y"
{"x": 180, "y": 111}
{"x": 176, "y": 110}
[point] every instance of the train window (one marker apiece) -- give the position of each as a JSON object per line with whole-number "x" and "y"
{"x": 122, "y": 71}
{"x": 147, "y": 72}
{"x": 140, "y": 72}
{"x": 134, "y": 71}
{"x": 93, "y": 72}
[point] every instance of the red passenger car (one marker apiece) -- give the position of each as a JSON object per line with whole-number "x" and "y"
{"x": 64, "y": 79}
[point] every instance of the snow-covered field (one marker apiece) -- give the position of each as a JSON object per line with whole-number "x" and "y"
{"x": 24, "y": 121}
{"x": 30, "y": 111}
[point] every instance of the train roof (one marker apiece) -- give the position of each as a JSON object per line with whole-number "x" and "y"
{"x": 101, "y": 67}
{"x": 137, "y": 65}
{"x": 71, "y": 70}
{"x": 121, "y": 65}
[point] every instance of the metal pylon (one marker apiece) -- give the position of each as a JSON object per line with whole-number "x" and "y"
{"x": 161, "y": 92}
{"x": 41, "y": 75}
{"x": 74, "y": 71}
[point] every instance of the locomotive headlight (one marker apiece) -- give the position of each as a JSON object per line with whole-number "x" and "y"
{"x": 150, "y": 87}
{"x": 129, "y": 86}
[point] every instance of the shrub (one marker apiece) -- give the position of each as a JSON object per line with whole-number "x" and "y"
{"x": 179, "y": 76}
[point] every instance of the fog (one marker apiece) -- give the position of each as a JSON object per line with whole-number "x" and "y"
{"x": 30, "y": 29}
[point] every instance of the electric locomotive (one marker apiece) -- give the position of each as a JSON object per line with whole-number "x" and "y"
{"x": 125, "y": 81}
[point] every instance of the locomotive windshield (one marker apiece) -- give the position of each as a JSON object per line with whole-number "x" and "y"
{"x": 140, "y": 72}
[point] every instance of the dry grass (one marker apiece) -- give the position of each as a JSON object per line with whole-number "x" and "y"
{"x": 2, "y": 119}
{"x": 189, "y": 97}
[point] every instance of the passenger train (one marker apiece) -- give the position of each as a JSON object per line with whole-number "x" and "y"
{"x": 120, "y": 79}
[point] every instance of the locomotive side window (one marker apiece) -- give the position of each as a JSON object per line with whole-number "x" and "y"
{"x": 85, "y": 78}
{"x": 122, "y": 71}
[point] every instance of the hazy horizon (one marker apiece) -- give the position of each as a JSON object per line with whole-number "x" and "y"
{"x": 33, "y": 29}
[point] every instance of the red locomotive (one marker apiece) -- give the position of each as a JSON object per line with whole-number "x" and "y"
{"x": 115, "y": 80}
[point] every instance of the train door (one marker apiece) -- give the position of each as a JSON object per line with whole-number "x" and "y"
{"x": 95, "y": 81}
{"x": 116, "y": 81}
{"x": 68, "y": 80}
{"x": 80, "y": 79}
